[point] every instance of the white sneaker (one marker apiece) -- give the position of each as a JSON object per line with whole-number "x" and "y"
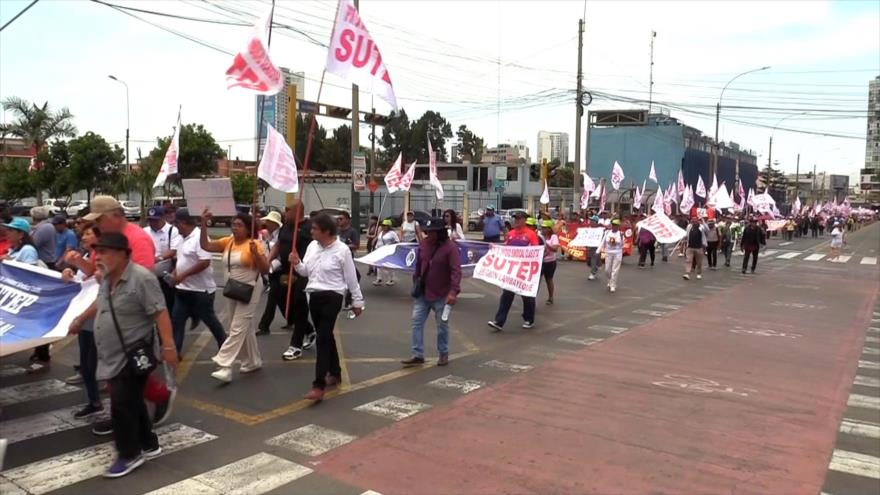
{"x": 389, "y": 283}
{"x": 686, "y": 276}
{"x": 613, "y": 289}
{"x": 377, "y": 282}
{"x": 251, "y": 368}
{"x": 528, "y": 324}
{"x": 223, "y": 374}
{"x": 309, "y": 341}
{"x": 292, "y": 353}
{"x": 591, "y": 277}
{"x": 699, "y": 277}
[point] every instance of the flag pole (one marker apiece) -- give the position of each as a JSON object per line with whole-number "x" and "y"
{"x": 260, "y": 137}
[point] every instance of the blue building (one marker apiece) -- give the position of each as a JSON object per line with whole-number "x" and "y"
{"x": 635, "y": 138}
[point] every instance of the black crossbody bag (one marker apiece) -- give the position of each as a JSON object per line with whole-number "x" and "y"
{"x": 140, "y": 357}
{"x": 235, "y": 290}
{"x": 418, "y": 289}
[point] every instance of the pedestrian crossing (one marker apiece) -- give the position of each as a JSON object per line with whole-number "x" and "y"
{"x": 803, "y": 256}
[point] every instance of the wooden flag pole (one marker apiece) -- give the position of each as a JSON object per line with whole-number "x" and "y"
{"x": 254, "y": 210}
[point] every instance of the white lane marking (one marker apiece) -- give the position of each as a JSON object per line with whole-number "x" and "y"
{"x": 785, "y": 244}
{"x": 371, "y": 492}
{"x": 715, "y": 287}
{"x": 546, "y": 352}
{"x": 872, "y": 339}
{"x": 579, "y": 340}
{"x": 256, "y": 474}
{"x": 66, "y": 469}
{"x": 841, "y": 259}
{"x": 8, "y": 488}
{"x": 699, "y": 385}
{"x": 867, "y": 381}
{"x": 860, "y": 428}
{"x": 666, "y": 306}
{"x": 868, "y": 260}
{"x": 814, "y": 257}
{"x": 608, "y": 328}
{"x": 870, "y": 351}
{"x": 7, "y": 370}
{"x": 788, "y": 256}
{"x": 874, "y": 329}
{"x": 311, "y": 440}
{"x": 770, "y": 252}
{"x": 34, "y": 390}
{"x": 631, "y": 321}
{"x": 501, "y": 365}
{"x": 868, "y": 365}
{"x": 25, "y": 428}
{"x": 453, "y": 382}
{"x": 393, "y": 407}
{"x": 649, "y": 312}
{"x": 864, "y": 401}
{"x": 854, "y": 463}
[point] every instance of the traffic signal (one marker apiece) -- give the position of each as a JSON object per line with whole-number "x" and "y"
{"x": 336, "y": 112}
{"x": 534, "y": 171}
{"x": 552, "y": 170}
{"x": 376, "y": 119}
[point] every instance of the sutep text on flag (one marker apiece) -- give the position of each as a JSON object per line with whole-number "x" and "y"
{"x": 701, "y": 187}
{"x": 169, "y": 163}
{"x": 617, "y": 176}
{"x": 407, "y": 179}
{"x": 392, "y": 178}
{"x": 663, "y": 228}
{"x": 278, "y": 166}
{"x": 252, "y": 68}
{"x": 354, "y": 56}
{"x": 687, "y": 200}
{"x": 513, "y": 268}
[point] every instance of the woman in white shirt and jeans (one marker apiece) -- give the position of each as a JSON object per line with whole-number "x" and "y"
{"x": 385, "y": 237}
{"x": 330, "y": 269}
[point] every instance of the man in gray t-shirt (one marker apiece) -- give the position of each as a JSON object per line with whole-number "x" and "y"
{"x": 43, "y": 236}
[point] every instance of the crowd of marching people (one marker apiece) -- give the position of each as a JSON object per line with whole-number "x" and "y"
{"x": 158, "y": 281}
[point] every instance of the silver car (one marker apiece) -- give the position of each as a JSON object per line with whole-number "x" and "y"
{"x": 132, "y": 210}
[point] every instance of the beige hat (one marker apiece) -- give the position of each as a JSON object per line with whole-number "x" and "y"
{"x": 273, "y": 217}
{"x": 101, "y": 205}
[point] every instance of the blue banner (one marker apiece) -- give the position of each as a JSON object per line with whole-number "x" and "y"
{"x": 36, "y": 306}
{"x": 403, "y": 256}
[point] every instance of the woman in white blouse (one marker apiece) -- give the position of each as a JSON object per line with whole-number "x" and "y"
{"x": 453, "y": 225}
{"x": 330, "y": 269}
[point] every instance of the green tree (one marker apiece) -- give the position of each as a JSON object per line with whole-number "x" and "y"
{"x": 411, "y": 138}
{"x": 199, "y": 151}
{"x": 316, "y": 162}
{"x": 15, "y": 182}
{"x": 396, "y": 137}
{"x": 242, "y": 188}
{"x": 54, "y": 175}
{"x": 775, "y": 181}
{"x": 94, "y": 164}
{"x": 470, "y": 146}
{"x": 140, "y": 180}
{"x": 336, "y": 151}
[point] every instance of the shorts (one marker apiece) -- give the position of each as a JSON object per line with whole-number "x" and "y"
{"x": 548, "y": 269}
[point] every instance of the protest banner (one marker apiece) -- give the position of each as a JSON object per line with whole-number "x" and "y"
{"x": 663, "y": 228}
{"x": 588, "y": 237}
{"x": 403, "y": 256}
{"x": 513, "y": 268}
{"x": 775, "y": 224}
{"x": 215, "y": 194}
{"x": 36, "y": 306}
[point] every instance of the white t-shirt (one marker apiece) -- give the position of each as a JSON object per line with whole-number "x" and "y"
{"x": 189, "y": 253}
{"x": 457, "y": 233}
{"x": 387, "y": 238}
{"x": 165, "y": 238}
{"x": 837, "y": 237}
{"x": 612, "y": 242}
{"x": 409, "y": 231}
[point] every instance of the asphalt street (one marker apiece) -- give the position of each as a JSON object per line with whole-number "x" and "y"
{"x": 733, "y": 383}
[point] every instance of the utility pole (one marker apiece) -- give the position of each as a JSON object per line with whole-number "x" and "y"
{"x": 770, "y": 153}
{"x": 355, "y": 205}
{"x": 797, "y": 176}
{"x": 651, "y": 75}
{"x": 579, "y": 112}
{"x": 372, "y": 158}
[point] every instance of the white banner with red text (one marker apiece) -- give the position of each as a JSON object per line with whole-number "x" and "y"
{"x": 513, "y": 268}
{"x": 663, "y": 228}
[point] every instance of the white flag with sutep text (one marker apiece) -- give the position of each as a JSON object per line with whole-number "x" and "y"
{"x": 252, "y": 68}
{"x": 617, "y": 176}
{"x": 653, "y": 174}
{"x": 169, "y": 163}
{"x": 714, "y": 188}
{"x": 354, "y": 56}
{"x": 545, "y": 196}
{"x": 432, "y": 166}
{"x": 278, "y": 166}
{"x": 658, "y": 206}
{"x": 589, "y": 185}
{"x": 392, "y": 178}
{"x": 687, "y": 201}
{"x": 407, "y": 179}
{"x": 701, "y": 187}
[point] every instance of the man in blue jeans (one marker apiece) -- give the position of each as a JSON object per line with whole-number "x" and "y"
{"x": 436, "y": 283}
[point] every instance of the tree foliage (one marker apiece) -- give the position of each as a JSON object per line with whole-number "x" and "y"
{"x": 94, "y": 164}
{"x": 15, "y": 182}
{"x": 411, "y": 137}
{"x": 242, "y": 188}
{"x": 470, "y": 146}
{"x": 199, "y": 151}
{"x": 775, "y": 181}
{"x": 36, "y": 125}
{"x": 54, "y": 175}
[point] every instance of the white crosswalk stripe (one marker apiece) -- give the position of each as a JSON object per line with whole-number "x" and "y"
{"x": 608, "y": 328}
{"x": 257, "y": 474}
{"x": 501, "y": 365}
{"x": 312, "y": 440}
{"x": 770, "y": 252}
{"x": 867, "y": 381}
{"x": 868, "y": 365}
{"x": 863, "y": 401}
{"x": 841, "y": 259}
{"x": 854, "y": 463}
{"x": 666, "y": 306}
{"x": 393, "y": 407}
{"x": 579, "y": 340}
{"x": 868, "y": 260}
{"x": 649, "y": 312}
{"x": 788, "y": 256}
{"x": 814, "y": 257}
{"x": 66, "y": 469}
{"x": 860, "y": 428}
{"x": 35, "y": 390}
{"x": 453, "y": 382}
{"x": 7, "y": 370}
{"x": 38, "y": 425}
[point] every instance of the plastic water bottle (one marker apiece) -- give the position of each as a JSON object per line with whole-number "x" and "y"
{"x": 445, "y": 314}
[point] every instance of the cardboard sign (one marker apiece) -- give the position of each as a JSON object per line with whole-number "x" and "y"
{"x": 588, "y": 237}
{"x": 215, "y": 194}
{"x": 513, "y": 268}
{"x": 775, "y": 224}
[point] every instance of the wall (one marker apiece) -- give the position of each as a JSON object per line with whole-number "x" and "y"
{"x": 634, "y": 148}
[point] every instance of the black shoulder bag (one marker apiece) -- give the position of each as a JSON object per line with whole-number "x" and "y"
{"x": 418, "y": 289}
{"x": 140, "y": 357}
{"x": 235, "y": 290}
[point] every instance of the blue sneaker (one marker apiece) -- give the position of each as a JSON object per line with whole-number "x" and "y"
{"x": 122, "y": 467}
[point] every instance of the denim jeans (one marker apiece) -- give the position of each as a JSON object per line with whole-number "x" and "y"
{"x": 88, "y": 364}
{"x": 421, "y": 307}
{"x": 199, "y": 305}
{"x": 595, "y": 257}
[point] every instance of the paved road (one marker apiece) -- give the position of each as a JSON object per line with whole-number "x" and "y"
{"x": 766, "y": 383}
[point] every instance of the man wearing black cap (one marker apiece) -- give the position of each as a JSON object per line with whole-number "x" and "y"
{"x": 520, "y": 235}
{"x": 436, "y": 284}
{"x": 128, "y": 306}
{"x": 65, "y": 239}
{"x": 166, "y": 240}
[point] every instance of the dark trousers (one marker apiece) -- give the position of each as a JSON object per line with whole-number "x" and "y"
{"x": 324, "y": 307}
{"x": 491, "y": 238}
{"x": 712, "y": 253}
{"x": 132, "y": 428}
{"x": 41, "y": 353}
{"x": 197, "y": 305}
{"x": 277, "y": 299}
{"x": 644, "y": 250}
{"x": 753, "y": 252}
{"x": 506, "y": 302}
{"x": 88, "y": 364}
{"x": 727, "y": 249}
{"x": 168, "y": 293}
{"x": 299, "y": 309}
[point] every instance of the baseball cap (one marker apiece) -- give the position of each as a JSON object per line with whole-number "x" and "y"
{"x": 183, "y": 215}
{"x": 519, "y": 214}
{"x": 616, "y": 221}
{"x": 58, "y": 220}
{"x": 594, "y": 218}
{"x": 434, "y": 224}
{"x": 156, "y": 213}
{"x": 490, "y": 207}
{"x": 19, "y": 223}
{"x": 547, "y": 223}
{"x": 101, "y": 205}
{"x": 531, "y": 221}
{"x": 272, "y": 216}
{"x": 387, "y": 222}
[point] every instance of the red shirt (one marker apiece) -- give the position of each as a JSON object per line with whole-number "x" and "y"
{"x": 143, "y": 251}
{"x": 522, "y": 236}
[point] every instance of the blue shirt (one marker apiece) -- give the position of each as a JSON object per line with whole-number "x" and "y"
{"x": 492, "y": 226}
{"x": 27, "y": 254}
{"x": 64, "y": 241}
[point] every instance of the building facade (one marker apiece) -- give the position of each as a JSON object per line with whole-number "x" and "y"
{"x": 870, "y": 175}
{"x": 552, "y": 145}
{"x": 275, "y": 107}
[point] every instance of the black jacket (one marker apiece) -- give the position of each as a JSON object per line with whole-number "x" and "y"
{"x": 753, "y": 236}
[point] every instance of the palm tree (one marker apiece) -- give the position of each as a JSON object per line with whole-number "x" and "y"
{"x": 36, "y": 125}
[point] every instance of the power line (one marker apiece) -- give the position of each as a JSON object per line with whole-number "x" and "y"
{"x": 19, "y": 14}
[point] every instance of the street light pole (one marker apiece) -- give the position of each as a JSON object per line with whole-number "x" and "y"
{"x": 127, "y": 123}
{"x": 714, "y": 166}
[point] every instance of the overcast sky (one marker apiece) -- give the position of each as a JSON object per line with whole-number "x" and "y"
{"x": 462, "y": 57}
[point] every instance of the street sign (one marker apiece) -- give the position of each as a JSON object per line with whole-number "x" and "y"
{"x": 359, "y": 171}
{"x": 499, "y": 185}
{"x": 501, "y": 174}
{"x": 373, "y": 185}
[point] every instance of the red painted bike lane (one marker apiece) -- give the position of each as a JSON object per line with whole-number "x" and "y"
{"x": 739, "y": 393}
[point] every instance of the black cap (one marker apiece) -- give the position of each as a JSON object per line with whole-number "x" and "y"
{"x": 182, "y": 215}
{"x": 519, "y": 214}
{"x": 58, "y": 220}
{"x": 113, "y": 240}
{"x": 434, "y": 224}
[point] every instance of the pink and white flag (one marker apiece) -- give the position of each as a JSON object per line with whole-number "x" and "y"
{"x": 354, "y": 56}
{"x": 796, "y": 208}
{"x": 432, "y": 166}
{"x": 169, "y": 163}
{"x": 278, "y": 166}
{"x": 392, "y": 178}
{"x": 658, "y": 207}
{"x": 617, "y": 176}
{"x": 680, "y": 184}
{"x": 545, "y": 196}
{"x": 637, "y": 198}
{"x": 589, "y": 185}
{"x": 252, "y": 68}
{"x": 407, "y": 179}
{"x": 741, "y": 191}
{"x": 713, "y": 190}
{"x": 687, "y": 200}
{"x": 585, "y": 199}
{"x": 602, "y": 198}
{"x": 701, "y": 187}
{"x": 653, "y": 173}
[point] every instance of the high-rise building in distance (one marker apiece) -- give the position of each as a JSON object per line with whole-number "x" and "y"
{"x": 275, "y": 106}
{"x": 552, "y": 145}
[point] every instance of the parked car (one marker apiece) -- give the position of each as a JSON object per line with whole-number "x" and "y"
{"x": 20, "y": 207}
{"x": 75, "y": 207}
{"x": 239, "y": 208}
{"x": 132, "y": 210}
